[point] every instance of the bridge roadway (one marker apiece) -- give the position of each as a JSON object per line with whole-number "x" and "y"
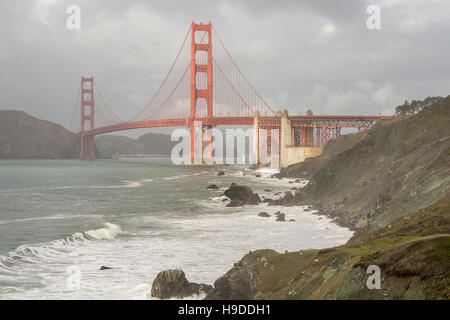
{"x": 264, "y": 121}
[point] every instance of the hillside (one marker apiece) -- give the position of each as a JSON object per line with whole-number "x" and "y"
{"x": 147, "y": 144}
{"x": 391, "y": 184}
{"x": 413, "y": 253}
{"x": 370, "y": 178}
{"x": 23, "y": 136}
{"x": 310, "y": 166}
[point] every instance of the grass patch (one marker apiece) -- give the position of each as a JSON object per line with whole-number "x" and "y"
{"x": 441, "y": 252}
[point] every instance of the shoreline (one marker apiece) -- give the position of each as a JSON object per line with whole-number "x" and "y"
{"x": 339, "y": 272}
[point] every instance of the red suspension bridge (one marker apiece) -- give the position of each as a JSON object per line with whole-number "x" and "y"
{"x": 205, "y": 84}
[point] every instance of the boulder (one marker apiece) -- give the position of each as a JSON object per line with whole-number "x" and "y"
{"x": 173, "y": 284}
{"x": 270, "y": 201}
{"x": 288, "y": 200}
{"x": 263, "y": 214}
{"x": 212, "y": 187}
{"x": 280, "y": 216}
{"x": 241, "y": 282}
{"x": 241, "y": 195}
{"x": 220, "y": 173}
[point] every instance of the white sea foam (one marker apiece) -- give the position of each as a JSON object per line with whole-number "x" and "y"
{"x": 56, "y": 217}
{"x": 109, "y": 232}
{"x": 204, "y": 243}
{"x": 172, "y": 178}
{"x": 27, "y": 253}
{"x": 133, "y": 184}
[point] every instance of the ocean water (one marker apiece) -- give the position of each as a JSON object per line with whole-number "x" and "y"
{"x": 139, "y": 217}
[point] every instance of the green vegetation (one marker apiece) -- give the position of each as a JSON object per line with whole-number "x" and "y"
{"x": 416, "y": 106}
{"x": 392, "y": 181}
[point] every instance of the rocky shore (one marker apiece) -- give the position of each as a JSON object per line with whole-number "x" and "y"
{"x": 391, "y": 185}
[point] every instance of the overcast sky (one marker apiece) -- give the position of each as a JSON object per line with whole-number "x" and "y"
{"x": 298, "y": 54}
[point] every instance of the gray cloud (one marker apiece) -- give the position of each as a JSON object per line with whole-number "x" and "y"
{"x": 298, "y": 54}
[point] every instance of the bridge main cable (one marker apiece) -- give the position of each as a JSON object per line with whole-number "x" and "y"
{"x": 107, "y": 107}
{"x": 75, "y": 108}
{"x": 231, "y": 85}
{"x": 165, "y": 79}
{"x": 170, "y": 95}
{"x": 240, "y": 72}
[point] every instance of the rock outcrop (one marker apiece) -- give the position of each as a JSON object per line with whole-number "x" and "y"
{"x": 280, "y": 216}
{"x": 241, "y": 196}
{"x": 173, "y": 284}
{"x": 412, "y": 253}
{"x": 240, "y": 283}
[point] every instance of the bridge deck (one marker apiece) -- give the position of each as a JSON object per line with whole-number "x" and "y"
{"x": 299, "y": 120}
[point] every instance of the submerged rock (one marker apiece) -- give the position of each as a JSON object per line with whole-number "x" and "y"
{"x": 241, "y": 195}
{"x": 212, "y": 187}
{"x": 263, "y": 214}
{"x": 220, "y": 173}
{"x": 104, "y": 268}
{"x": 280, "y": 216}
{"x": 173, "y": 284}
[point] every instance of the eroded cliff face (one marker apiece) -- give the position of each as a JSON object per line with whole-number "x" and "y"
{"x": 412, "y": 252}
{"x": 25, "y": 137}
{"x": 392, "y": 185}
{"x": 374, "y": 177}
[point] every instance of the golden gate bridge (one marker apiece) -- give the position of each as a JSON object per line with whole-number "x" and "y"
{"x": 204, "y": 83}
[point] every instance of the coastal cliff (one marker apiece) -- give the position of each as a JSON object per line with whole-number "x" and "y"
{"x": 368, "y": 179}
{"x": 391, "y": 184}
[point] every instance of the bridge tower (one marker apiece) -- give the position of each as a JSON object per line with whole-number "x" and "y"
{"x": 197, "y": 94}
{"x": 87, "y": 149}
